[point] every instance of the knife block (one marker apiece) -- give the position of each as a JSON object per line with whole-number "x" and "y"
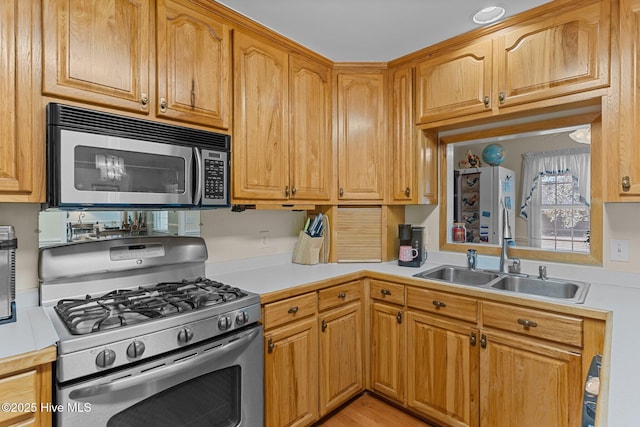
{"x": 307, "y": 250}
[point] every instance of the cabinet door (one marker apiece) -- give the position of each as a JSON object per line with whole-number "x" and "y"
{"x": 626, "y": 184}
{"x": 455, "y": 83}
{"x": 341, "y": 374}
{"x": 361, "y": 137}
{"x": 22, "y": 164}
{"x": 403, "y": 157}
{"x": 194, "y": 64}
{"x": 260, "y": 147}
{"x": 97, "y": 51}
{"x": 557, "y": 55}
{"x": 443, "y": 362}
{"x": 388, "y": 362}
{"x": 528, "y": 384}
{"x": 291, "y": 374}
{"x": 310, "y": 143}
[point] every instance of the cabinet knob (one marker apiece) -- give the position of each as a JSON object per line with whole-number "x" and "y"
{"x": 341, "y": 192}
{"x": 486, "y": 101}
{"x": 342, "y": 295}
{"x": 399, "y": 317}
{"x": 527, "y": 323}
{"x": 626, "y": 183}
{"x": 286, "y": 191}
{"x": 407, "y": 192}
{"x": 293, "y": 310}
{"x": 163, "y": 105}
{"x": 144, "y": 100}
{"x": 483, "y": 341}
{"x": 270, "y": 346}
{"x": 324, "y": 325}
{"x": 293, "y": 191}
{"x": 473, "y": 339}
{"x": 439, "y": 304}
{"x": 501, "y": 97}
{"x": 385, "y": 291}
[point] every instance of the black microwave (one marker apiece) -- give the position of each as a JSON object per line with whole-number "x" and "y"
{"x": 98, "y": 160}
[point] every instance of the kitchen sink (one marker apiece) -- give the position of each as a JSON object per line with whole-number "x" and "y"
{"x": 458, "y": 275}
{"x": 550, "y": 288}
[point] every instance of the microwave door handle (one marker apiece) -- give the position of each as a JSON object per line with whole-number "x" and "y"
{"x": 197, "y": 195}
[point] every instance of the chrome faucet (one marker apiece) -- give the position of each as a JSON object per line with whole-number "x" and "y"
{"x": 542, "y": 272}
{"x": 506, "y": 238}
{"x": 472, "y": 259}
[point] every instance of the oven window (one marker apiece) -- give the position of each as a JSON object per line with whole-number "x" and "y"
{"x": 211, "y": 400}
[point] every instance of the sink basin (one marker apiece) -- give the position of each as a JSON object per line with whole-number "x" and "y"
{"x": 458, "y": 275}
{"x": 550, "y": 288}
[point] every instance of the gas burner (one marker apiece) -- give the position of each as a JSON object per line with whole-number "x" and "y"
{"x": 124, "y": 307}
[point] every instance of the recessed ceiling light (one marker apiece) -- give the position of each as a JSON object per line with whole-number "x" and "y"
{"x": 488, "y": 15}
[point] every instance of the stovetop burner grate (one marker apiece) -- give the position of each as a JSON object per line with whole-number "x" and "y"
{"x": 125, "y": 307}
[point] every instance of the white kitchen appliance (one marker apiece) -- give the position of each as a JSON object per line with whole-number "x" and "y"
{"x": 481, "y": 194}
{"x": 146, "y": 339}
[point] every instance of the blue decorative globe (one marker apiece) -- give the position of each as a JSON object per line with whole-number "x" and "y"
{"x": 493, "y": 154}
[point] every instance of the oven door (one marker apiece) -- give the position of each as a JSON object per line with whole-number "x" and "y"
{"x": 214, "y": 384}
{"x": 96, "y": 169}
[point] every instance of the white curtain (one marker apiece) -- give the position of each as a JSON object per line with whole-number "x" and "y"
{"x": 574, "y": 161}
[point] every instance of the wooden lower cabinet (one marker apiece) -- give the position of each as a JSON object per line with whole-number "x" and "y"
{"x": 442, "y": 369}
{"x": 291, "y": 374}
{"x": 388, "y": 357}
{"x": 25, "y": 380}
{"x": 524, "y": 383}
{"x": 341, "y": 367}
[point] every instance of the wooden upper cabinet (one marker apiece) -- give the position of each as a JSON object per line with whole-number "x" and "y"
{"x": 310, "y": 145}
{"x": 194, "y": 65}
{"x": 625, "y": 185}
{"x": 361, "y": 136}
{"x": 22, "y": 163}
{"x": 260, "y": 147}
{"x": 455, "y": 83}
{"x": 98, "y": 52}
{"x": 558, "y": 54}
{"x": 403, "y": 141}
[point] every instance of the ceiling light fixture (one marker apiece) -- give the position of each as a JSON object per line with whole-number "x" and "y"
{"x": 488, "y": 15}
{"x": 582, "y": 135}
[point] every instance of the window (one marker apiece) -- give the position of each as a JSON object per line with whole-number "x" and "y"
{"x": 555, "y": 199}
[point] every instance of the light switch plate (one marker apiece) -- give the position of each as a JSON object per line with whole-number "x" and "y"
{"x": 619, "y": 250}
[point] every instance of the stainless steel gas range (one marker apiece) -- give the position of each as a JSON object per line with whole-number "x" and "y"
{"x": 146, "y": 339}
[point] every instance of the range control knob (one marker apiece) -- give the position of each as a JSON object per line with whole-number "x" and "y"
{"x": 242, "y": 318}
{"x": 224, "y": 323}
{"x": 185, "y": 335}
{"x": 135, "y": 349}
{"x": 105, "y": 358}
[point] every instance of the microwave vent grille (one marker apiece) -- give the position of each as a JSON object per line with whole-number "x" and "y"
{"x": 112, "y": 124}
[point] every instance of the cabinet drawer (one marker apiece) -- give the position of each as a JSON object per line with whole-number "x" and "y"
{"x": 540, "y": 324}
{"x": 389, "y": 292}
{"x": 281, "y": 312}
{"x": 338, "y": 295}
{"x": 19, "y": 389}
{"x": 443, "y": 303}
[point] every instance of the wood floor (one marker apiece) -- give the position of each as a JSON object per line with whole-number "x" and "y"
{"x": 369, "y": 411}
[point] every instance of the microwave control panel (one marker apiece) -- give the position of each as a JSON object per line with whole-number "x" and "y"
{"x": 214, "y": 185}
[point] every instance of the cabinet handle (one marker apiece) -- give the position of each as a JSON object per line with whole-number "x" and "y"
{"x": 193, "y": 94}
{"x": 483, "y": 341}
{"x": 399, "y": 317}
{"x": 407, "y": 192}
{"x": 626, "y": 183}
{"x": 486, "y": 101}
{"x": 473, "y": 339}
{"x": 501, "y": 97}
{"x": 342, "y": 295}
{"x": 293, "y": 191}
{"x": 270, "y": 346}
{"x": 439, "y": 304}
{"x": 144, "y": 100}
{"x": 286, "y": 191}
{"x": 385, "y": 291}
{"x": 293, "y": 310}
{"x": 527, "y": 323}
{"x": 324, "y": 325}
{"x": 341, "y": 192}
{"x": 163, "y": 105}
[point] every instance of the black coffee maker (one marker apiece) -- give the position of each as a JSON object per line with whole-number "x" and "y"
{"x": 412, "y": 252}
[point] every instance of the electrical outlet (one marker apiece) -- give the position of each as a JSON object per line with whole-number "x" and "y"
{"x": 263, "y": 236}
{"x": 619, "y": 250}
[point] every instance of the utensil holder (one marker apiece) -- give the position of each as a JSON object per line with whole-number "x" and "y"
{"x": 307, "y": 250}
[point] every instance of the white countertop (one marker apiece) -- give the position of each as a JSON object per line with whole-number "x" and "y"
{"x": 33, "y": 331}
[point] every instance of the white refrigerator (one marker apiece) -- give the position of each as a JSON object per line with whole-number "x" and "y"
{"x": 480, "y": 195}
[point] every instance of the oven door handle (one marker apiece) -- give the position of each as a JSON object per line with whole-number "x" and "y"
{"x": 144, "y": 379}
